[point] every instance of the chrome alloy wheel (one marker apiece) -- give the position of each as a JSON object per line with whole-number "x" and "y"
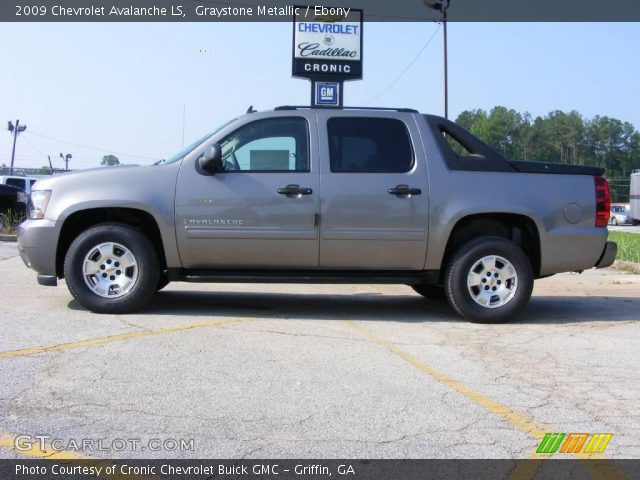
{"x": 492, "y": 281}
{"x": 110, "y": 270}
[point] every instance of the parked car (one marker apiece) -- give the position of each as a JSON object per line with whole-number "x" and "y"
{"x": 326, "y": 196}
{"x": 23, "y": 183}
{"x": 620, "y": 214}
{"x": 12, "y": 198}
{"x": 634, "y": 196}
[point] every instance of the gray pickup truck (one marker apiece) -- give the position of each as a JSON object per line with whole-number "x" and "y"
{"x": 347, "y": 195}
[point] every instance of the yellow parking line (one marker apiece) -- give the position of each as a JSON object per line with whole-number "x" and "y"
{"x": 522, "y": 422}
{"x": 600, "y": 471}
{"x": 34, "y": 450}
{"x": 114, "y": 338}
{"x": 526, "y": 469}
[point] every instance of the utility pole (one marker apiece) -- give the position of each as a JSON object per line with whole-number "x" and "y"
{"x": 15, "y": 130}
{"x": 443, "y": 6}
{"x": 50, "y": 164}
{"x": 446, "y": 63}
{"x": 184, "y": 117}
{"x": 66, "y": 160}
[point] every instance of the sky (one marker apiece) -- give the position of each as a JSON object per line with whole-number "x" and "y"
{"x": 123, "y": 88}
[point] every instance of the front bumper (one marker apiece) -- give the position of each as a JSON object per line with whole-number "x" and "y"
{"x": 608, "y": 255}
{"x": 37, "y": 244}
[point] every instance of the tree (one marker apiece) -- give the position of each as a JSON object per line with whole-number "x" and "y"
{"x": 109, "y": 161}
{"x": 504, "y": 125}
{"x": 558, "y": 137}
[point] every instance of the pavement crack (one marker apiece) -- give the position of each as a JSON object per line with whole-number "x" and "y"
{"x": 292, "y": 334}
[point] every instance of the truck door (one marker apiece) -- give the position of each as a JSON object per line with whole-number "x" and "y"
{"x": 374, "y": 204}
{"x": 261, "y": 211}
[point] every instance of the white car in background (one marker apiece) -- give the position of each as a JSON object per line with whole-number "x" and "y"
{"x": 23, "y": 183}
{"x": 620, "y": 214}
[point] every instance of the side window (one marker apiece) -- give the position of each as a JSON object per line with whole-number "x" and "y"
{"x": 270, "y": 145}
{"x": 369, "y": 145}
{"x": 17, "y": 182}
{"x": 455, "y": 145}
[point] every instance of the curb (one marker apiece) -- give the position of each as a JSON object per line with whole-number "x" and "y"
{"x": 8, "y": 238}
{"x": 624, "y": 266}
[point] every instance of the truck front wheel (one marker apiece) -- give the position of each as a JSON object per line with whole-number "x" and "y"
{"x": 112, "y": 268}
{"x": 489, "y": 280}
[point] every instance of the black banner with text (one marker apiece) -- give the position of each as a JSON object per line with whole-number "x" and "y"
{"x": 318, "y": 469}
{"x": 282, "y": 10}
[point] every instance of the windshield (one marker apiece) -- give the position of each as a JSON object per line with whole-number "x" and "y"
{"x": 183, "y": 153}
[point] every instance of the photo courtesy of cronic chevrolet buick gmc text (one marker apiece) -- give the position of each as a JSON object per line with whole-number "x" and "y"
{"x": 348, "y": 195}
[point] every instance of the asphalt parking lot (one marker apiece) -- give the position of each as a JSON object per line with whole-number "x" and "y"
{"x": 318, "y": 371}
{"x": 626, "y": 228}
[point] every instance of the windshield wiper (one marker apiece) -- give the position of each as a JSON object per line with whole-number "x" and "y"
{"x": 162, "y": 160}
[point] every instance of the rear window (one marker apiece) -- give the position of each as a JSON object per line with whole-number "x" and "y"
{"x": 16, "y": 182}
{"x": 369, "y": 145}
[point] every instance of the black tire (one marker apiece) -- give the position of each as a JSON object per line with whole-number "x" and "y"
{"x": 462, "y": 297}
{"x": 147, "y": 265}
{"x": 614, "y": 221}
{"x": 435, "y": 292}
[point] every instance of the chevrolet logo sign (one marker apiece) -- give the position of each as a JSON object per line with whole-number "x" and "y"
{"x": 329, "y": 18}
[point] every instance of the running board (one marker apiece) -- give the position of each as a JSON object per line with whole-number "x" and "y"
{"x": 305, "y": 276}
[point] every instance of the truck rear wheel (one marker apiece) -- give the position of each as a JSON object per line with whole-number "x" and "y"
{"x": 112, "y": 268}
{"x": 489, "y": 280}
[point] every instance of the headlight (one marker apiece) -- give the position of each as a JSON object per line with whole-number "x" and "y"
{"x": 38, "y": 203}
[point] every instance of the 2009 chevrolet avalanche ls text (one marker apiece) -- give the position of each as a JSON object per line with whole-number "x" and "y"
{"x": 323, "y": 196}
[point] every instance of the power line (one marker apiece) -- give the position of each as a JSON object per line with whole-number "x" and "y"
{"x": 34, "y": 148}
{"x": 103, "y": 150}
{"x": 424, "y": 47}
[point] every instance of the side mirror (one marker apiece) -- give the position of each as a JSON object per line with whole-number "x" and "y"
{"x": 210, "y": 162}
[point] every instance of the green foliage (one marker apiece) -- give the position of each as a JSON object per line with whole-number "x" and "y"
{"x": 109, "y": 161}
{"x": 559, "y": 137}
{"x": 10, "y": 221}
{"x": 628, "y": 246}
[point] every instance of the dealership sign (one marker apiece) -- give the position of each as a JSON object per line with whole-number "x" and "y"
{"x": 327, "y": 44}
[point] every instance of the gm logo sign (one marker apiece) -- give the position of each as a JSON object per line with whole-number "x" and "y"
{"x": 328, "y": 93}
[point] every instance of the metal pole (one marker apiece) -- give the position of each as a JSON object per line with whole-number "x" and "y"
{"x": 50, "y": 164}
{"x": 13, "y": 152}
{"x": 446, "y": 69}
{"x": 184, "y": 117}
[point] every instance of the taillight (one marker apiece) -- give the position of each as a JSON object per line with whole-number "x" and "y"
{"x": 603, "y": 201}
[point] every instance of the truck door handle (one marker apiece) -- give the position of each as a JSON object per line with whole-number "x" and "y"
{"x": 404, "y": 191}
{"x": 294, "y": 191}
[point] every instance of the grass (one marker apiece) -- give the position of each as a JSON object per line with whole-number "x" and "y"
{"x": 10, "y": 221}
{"x": 628, "y": 246}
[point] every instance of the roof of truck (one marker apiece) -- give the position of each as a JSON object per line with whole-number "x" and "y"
{"x": 307, "y": 107}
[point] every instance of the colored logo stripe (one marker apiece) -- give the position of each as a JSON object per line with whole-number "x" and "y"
{"x": 574, "y": 443}
{"x": 550, "y": 443}
{"x": 598, "y": 442}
